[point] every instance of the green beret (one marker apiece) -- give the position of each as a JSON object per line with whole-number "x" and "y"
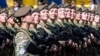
{"x": 85, "y": 10}
{"x": 35, "y": 10}
{"x": 66, "y": 5}
{"x": 61, "y": 6}
{"x": 11, "y": 13}
{"x": 78, "y": 9}
{"x": 73, "y": 8}
{"x": 43, "y": 7}
{"x": 22, "y": 11}
{"x": 52, "y": 5}
{"x": 4, "y": 11}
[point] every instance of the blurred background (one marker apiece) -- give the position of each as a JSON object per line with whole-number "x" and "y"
{"x": 36, "y": 3}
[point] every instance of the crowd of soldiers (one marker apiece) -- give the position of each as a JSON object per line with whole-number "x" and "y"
{"x": 51, "y": 30}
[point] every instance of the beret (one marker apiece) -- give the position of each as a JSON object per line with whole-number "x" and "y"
{"x": 43, "y": 7}
{"x": 78, "y": 9}
{"x": 11, "y": 14}
{"x": 66, "y": 5}
{"x": 52, "y": 5}
{"x": 3, "y": 11}
{"x": 85, "y": 10}
{"x": 61, "y": 6}
{"x": 35, "y": 10}
{"x": 22, "y": 11}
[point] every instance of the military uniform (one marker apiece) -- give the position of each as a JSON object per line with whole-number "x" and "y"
{"x": 22, "y": 38}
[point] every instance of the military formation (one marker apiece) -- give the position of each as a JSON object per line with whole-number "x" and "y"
{"x": 49, "y": 30}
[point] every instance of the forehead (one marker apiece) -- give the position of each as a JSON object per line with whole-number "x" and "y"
{"x": 60, "y": 8}
{"x": 53, "y": 9}
{"x": 3, "y": 13}
{"x": 78, "y": 11}
{"x": 44, "y": 10}
{"x": 97, "y": 16}
{"x": 35, "y": 13}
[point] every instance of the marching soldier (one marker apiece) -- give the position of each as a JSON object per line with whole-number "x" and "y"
{"x": 52, "y": 13}
{"x": 22, "y": 38}
{"x": 4, "y": 32}
{"x": 41, "y": 46}
{"x": 12, "y": 30}
{"x": 44, "y": 17}
{"x": 67, "y": 12}
{"x": 96, "y": 20}
{"x": 84, "y": 17}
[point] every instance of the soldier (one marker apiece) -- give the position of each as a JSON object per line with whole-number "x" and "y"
{"x": 52, "y": 13}
{"x": 91, "y": 18}
{"x": 84, "y": 16}
{"x": 44, "y": 17}
{"x": 22, "y": 38}
{"x": 3, "y": 29}
{"x": 41, "y": 46}
{"x": 12, "y": 31}
{"x": 61, "y": 15}
{"x": 88, "y": 17}
{"x": 73, "y": 11}
{"x": 78, "y": 15}
{"x": 96, "y": 20}
{"x": 67, "y": 12}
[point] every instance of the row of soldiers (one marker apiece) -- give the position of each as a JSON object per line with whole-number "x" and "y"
{"x": 49, "y": 31}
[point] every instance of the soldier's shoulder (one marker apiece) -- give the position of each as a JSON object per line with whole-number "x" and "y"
{"x": 20, "y": 34}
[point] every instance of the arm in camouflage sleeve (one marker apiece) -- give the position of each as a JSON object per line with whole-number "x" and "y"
{"x": 21, "y": 40}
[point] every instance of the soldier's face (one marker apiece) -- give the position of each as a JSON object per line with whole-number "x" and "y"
{"x": 84, "y": 15}
{"x": 3, "y": 17}
{"x": 78, "y": 15}
{"x": 28, "y": 18}
{"x": 67, "y": 12}
{"x": 61, "y": 14}
{"x": 72, "y": 13}
{"x": 97, "y": 18}
{"x": 88, "y": 16}
{"x": 91, "y": 17}
{"x": 11, "y": 20}
{"x": 35, "y": 17}
{"x": 44, "y": 14}
{"x": 53, "y": 13}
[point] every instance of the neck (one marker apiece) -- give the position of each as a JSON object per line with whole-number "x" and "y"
{"x": 51, "y": 20}
{"x": 60, "y": 20}
{"x": 10, "y": 25}
{"x": 44, "y": 21}
{"x": 16, "y": 25}
{"x": 33, "y": 25}
{"x": 25, "y": 26}
{"x": 3, "y": 24}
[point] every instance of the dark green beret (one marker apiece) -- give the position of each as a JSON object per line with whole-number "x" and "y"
{"x": 73, "y": 8}
{"x": 61, "y": 6}
{"x": 4, "y": 11}
{"x": 11, "y": 14}
{"x": 35, "y": 10}
{"x": 78, "y": 9}
{"x": 52, "y": 5}
{"x": 66, "y": 5}
{"x": 85, "y": 10}
{"x": 22, "y": 11}
{"x": 43, "y": 7}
